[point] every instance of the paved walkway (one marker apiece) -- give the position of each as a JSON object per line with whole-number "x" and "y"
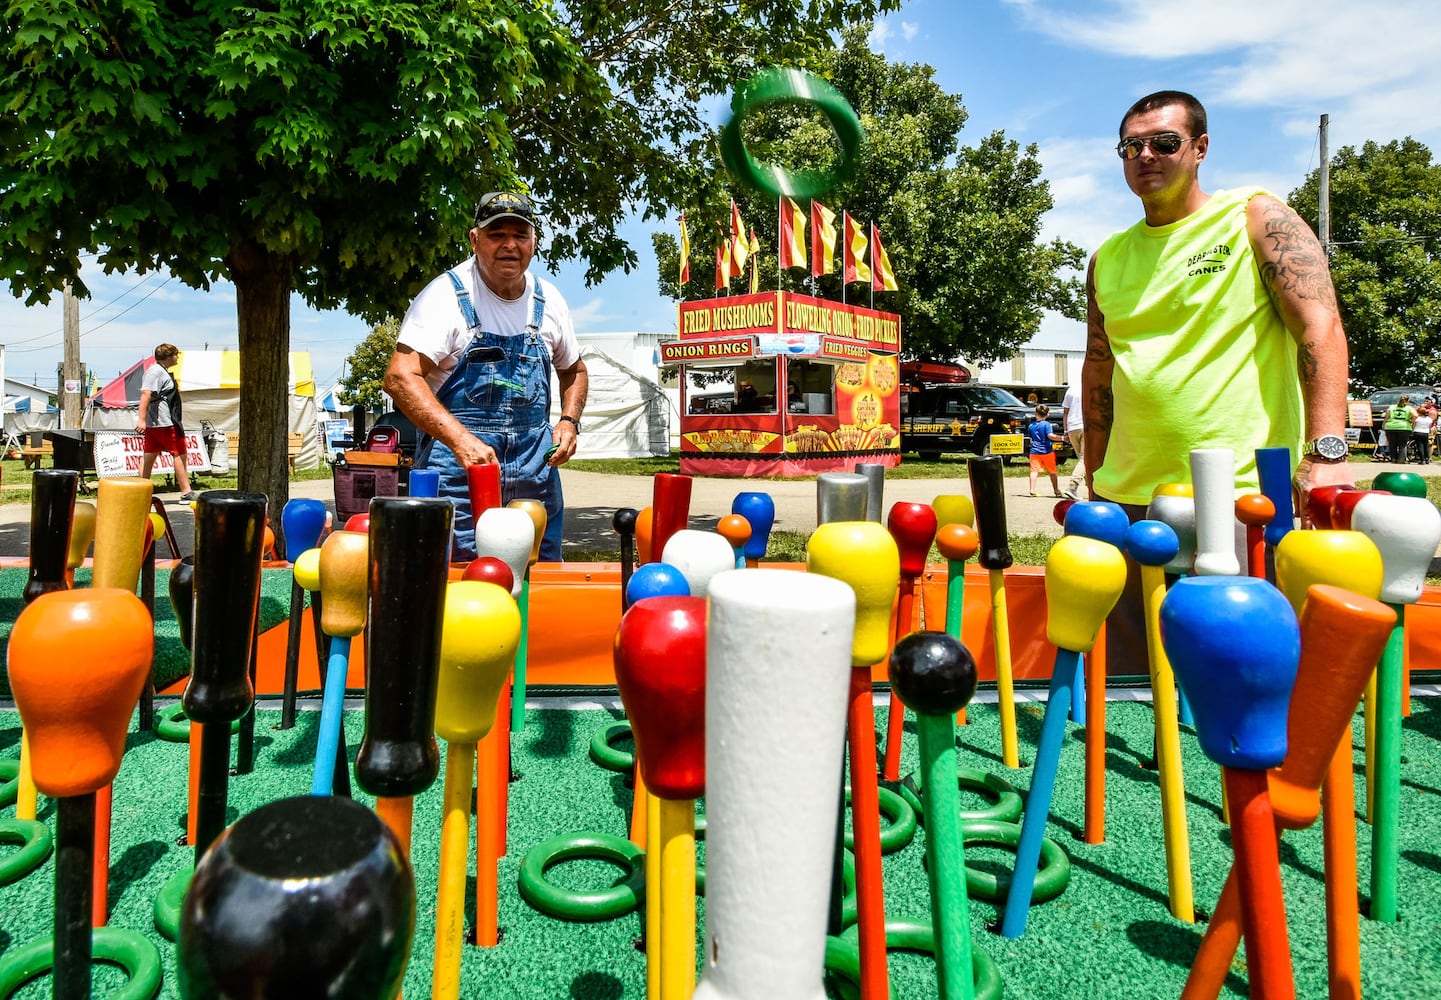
{"x": 592, "y": 498}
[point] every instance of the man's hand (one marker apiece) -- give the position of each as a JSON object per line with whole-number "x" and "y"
{"x": 471, "y": 450}
{"x": 564, "y": 437}
{"x": 1310, "y": 475}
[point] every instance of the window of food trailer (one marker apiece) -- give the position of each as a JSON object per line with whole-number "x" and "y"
{"x": 755, "y": 384}
{"x": 810, "y": 386}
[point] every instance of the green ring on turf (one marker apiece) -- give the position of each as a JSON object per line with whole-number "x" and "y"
{"x": 1051, "y": 879}
{"x": 9, "y": 782}
{"x": 843, "y": 956}
{"x": 35, "y": 840}
{"x": 168, "y": 902}
{"x": 900, "y": 824}
{"x": 172, "y": 725}
{"x": 571, "y": 904}
{"x": 133, "y": 952}
{"x": 1006, "y": 808}
{"x": 607, "y": 756}
{"x": 771, "y": 86}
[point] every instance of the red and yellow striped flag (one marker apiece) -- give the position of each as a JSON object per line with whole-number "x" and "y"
{"x": 823, "y": 239}
{"x": 684, "y": 252}
{"x": 740, "y": 246}
{"x": 755, "y": 250}
{"x": 884, "y": 279}
{"x": 793, "y": 234}
{"x": 855, "y": 257}
{"x": 723, "y": 262}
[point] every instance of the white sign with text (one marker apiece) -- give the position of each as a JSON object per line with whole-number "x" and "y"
{"x": 118, "y": 453}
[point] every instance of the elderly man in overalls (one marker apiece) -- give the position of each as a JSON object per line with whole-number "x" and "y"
{"x": 471, "y": 370}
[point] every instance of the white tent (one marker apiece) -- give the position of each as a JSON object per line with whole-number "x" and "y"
{"x": 628, "y": 414}
{"x": 27, "y": 408}
{"x": 210, "y": 389}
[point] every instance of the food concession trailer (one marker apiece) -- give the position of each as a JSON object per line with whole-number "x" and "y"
{"x": 816, "y": 385}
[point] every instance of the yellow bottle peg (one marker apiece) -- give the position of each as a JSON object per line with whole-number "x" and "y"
{"x": 1174, "y": 490}
{"x": 120, "y": 519}
{"x": 864, "y": 555}
{"x": 307, "y": 570}
{"x": 1084, "y": 579}
{"x": 537, "y": 513}
{"x": 82, "y": 533}
{"x": 954, "y": 508}
{"x": 478, "y": 643}
{"x": 1346, "y": 559}
{"x": 344, "y": 582}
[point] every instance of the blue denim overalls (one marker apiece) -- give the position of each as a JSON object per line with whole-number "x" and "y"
{"x": 500, "y": 392}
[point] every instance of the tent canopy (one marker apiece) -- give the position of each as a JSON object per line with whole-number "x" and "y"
{"x": 210, "y": 386}
{"x": 198, "y": 371}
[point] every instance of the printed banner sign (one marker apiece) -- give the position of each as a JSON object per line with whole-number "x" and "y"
{"x": 682, "y": 352}
{"x": 118, "y": 453}
{"x": 846, "y": 350}
{"x": 1007, "y": 444}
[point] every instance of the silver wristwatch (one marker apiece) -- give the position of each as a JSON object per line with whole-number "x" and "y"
{"x": 1327, "y": 448}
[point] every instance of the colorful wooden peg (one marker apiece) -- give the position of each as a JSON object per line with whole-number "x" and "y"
{"x": 759, "y": 510}
{"x": 913, "y": 526}
{"x": 986, "y": 475}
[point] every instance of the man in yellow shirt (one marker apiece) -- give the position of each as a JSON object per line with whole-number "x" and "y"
{"x": 1211, "y": 323}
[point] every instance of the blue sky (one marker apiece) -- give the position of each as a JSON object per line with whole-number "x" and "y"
{"x": 1056, "y": 74}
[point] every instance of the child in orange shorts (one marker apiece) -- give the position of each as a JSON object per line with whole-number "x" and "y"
{"x": 1042, "y": 436}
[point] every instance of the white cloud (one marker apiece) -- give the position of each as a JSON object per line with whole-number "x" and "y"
{"x": 880, "y": 34}
{"x": 1370, "y": 64}
{"x": 590, "y": 316}
{"x": 909, "y": 30}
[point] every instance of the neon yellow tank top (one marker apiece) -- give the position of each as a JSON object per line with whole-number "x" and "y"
{"x": 1203, "y": 359}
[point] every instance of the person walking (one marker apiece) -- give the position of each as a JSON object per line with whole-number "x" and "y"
{"x": 1073, "y": 422}
{"x": 1421, "y": 428}
{"x": 159, "y": 419}
{"x": 1399, "y": 421}
{"x": 1042, "y": 436}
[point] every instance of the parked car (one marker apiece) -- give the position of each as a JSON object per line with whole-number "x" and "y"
{"x": 1383, "y": 399}
{"x": 938, "y": 418}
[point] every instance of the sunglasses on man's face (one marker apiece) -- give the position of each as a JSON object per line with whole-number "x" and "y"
{"x": 1164, "y": 144}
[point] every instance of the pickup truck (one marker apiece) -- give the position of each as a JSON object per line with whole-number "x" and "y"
{"x": 964, "y": 417}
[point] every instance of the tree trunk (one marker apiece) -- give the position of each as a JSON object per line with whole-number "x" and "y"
{"x": 262, "y": 301}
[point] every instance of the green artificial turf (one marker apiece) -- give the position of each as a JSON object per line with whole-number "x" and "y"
{"x": 1108, "y": 935}
{"x": 172, "y": 661}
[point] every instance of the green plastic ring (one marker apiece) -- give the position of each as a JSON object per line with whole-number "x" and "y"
{"x": 134, "y": 953}
{"x": 9, "y": 782}
{"x": 1006, "y": 808}
{"x": 172, "y": 725}
{"x": 168, "y": 902}
{"x": 35, "y": 841}
{"x": 1051, "y": 879}
{"x": 571, "y": 904}
{"x": 772, "y": 86}
{"x": 607, "y": 756}
{"x": 843, "y": 957}
{"x": 900, "y": 824}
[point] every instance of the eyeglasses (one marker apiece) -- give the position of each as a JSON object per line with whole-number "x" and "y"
{"x": 1165, "y": 144}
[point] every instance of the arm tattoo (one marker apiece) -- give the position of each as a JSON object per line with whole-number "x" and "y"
{"x": 1101, "y": 408}
{"x": 1296, "y": 264}
{"x": 1099, "y": 350}
{"x": 1307, "y": 362}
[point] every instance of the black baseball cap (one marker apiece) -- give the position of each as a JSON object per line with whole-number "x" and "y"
{"x": 503, "y": 205}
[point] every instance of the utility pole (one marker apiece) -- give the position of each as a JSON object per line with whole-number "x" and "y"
{"x": 1323, "y": 197}
{"x": 71, "y": 385}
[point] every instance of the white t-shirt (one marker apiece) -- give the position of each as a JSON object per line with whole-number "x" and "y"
{"x": 160, "y": 384}
{"x": 1075, "y": 420}
{"x": 435, "y": 327}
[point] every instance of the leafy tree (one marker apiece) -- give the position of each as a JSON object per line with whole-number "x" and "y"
{"x": 961, "y": 225}
{"x": 365, "y": 368}
{"x": 1385, "y": 255}
{"x": 332, "y": 149}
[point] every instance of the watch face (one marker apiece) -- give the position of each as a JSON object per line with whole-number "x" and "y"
{"x": 1331, "y": 447}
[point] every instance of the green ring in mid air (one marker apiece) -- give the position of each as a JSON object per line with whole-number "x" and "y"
{"x": 772, "y": 86}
